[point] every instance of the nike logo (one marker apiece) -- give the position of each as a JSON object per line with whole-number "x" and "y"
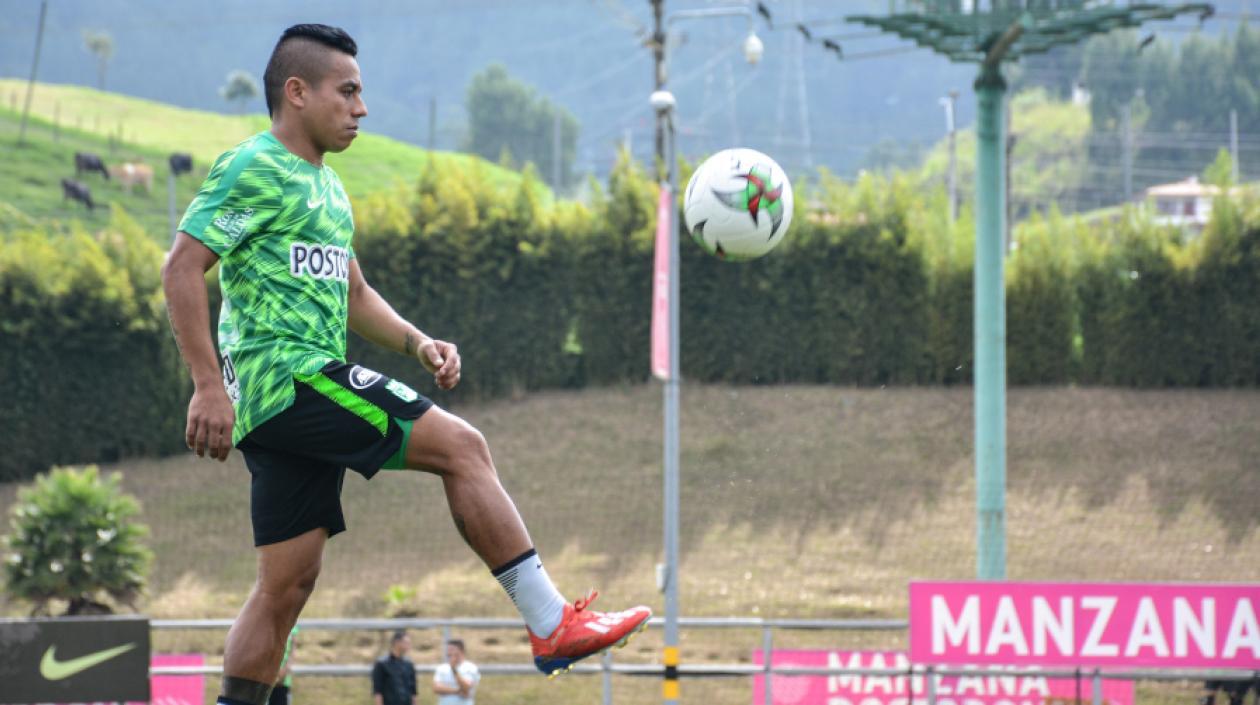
{"x": 54, "y": 670}
{"x": 314, "y": 204}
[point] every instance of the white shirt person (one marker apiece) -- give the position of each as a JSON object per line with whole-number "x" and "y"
{"x": 456, "y": 681}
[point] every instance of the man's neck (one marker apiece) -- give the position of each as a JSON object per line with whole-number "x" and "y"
{"x": 296, "y": 141}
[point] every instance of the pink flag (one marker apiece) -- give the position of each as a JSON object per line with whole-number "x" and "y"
{"x": 660, "y": 287}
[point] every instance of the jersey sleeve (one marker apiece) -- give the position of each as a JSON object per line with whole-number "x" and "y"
{"x": 241, "y": 195}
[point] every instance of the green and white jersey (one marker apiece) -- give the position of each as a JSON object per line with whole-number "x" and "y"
{"x": 281, "y": 228}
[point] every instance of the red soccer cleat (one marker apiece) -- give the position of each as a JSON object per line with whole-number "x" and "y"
{"x": 584, "y": 632}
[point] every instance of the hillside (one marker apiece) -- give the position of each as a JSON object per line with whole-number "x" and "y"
{"x": 797, "y": 502}
{"x": 67, "y": 119}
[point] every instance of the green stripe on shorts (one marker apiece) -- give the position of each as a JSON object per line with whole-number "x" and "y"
{"x": 398, "y": 461}
{"x": 347, "y": 400}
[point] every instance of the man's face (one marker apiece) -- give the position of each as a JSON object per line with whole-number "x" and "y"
{"x": 335, "y": 105}
{"x": 454, "y": 654}
{"x": 402, "y": 646}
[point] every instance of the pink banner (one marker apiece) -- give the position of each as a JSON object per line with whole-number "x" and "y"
{"x": 902, "y": 690}
{"x": 177, "y": 690}
{"x": 660, "y": 287}
{"x": 1085, "y": 624}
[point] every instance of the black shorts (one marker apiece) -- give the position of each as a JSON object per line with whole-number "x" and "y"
{"x": 344, "y": 416}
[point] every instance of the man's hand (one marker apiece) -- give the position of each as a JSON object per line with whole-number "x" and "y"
{"x": 210, "y": 419}
{"x": 442, "y": 359}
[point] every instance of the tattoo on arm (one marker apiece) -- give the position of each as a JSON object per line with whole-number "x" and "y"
{"x": 409, "y": 344}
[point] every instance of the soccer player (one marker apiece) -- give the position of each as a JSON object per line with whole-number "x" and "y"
{"x": 280, "y": 389}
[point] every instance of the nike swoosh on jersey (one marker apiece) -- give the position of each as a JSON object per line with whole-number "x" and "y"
{"x": 54, "y": 670}
{"x": 314, "y": 204}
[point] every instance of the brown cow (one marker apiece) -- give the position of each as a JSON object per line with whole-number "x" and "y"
{"x": 131, "y": 173}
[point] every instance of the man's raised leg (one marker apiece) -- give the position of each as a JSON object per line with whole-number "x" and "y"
{"x": 486, "y": 517}
{"x": 255, "y": 644}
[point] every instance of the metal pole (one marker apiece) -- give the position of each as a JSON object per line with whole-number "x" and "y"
{"x": 170, "y": 202}
{"x": 990, "y": 329}
{"x": 931, "y": 685}
{"x": 802, "y": 95}
{"x": 432, "y": 122}
{"x": 953, "y": 156}
{"x": 1127, "y": 147}
{"x": 1233, "y": 145}
{"x": 767, "y": 650}
{"x": 606, "y": 664}
{"x": 30, "y": 85}
{"x": 555, "y": 150}
{"x": 658, "y": 55}
{"x": 1098, "y": 695}
{"x": 671, "y": 441}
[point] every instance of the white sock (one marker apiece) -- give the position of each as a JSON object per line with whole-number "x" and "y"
{"x": 526, "y": 581}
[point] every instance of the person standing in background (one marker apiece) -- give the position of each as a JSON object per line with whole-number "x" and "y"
{"x": 394, "y": 675}
{"x": 457, "y": 679}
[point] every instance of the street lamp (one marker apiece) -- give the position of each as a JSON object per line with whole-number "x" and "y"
{"x": 753, "y": 48}
{"x": 665, "y": 310}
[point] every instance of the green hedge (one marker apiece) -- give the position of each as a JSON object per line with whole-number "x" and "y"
{"x": 872, "y": 287}
{"x": 89, "y": 370}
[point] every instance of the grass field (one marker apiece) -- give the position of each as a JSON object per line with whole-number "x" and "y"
{"x": 66, "y": 119}
{"x": 797, "y": 502}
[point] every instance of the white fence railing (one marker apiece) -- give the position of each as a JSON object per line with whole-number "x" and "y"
{"x": 607, "y": 668}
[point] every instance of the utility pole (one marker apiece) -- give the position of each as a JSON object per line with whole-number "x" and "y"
{"x": 555, "y": 150}
{"x": 1233, "y": 145}
{"x": 949, "y": 103}
{"x": 658, "y": 55}
{"x": 1127, "y": 146}
{"x": 802, "y": 95}
{"x": 30, "y": 85}
{"x": 432, "y": 123}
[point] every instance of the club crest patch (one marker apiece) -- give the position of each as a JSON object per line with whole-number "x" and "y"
{"x": 402, "y": 391}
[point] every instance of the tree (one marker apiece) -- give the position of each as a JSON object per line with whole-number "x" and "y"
{"x": 508, "y": 116}
{"x": 240, "y": 87}
{"x": 101, "y": 44}
{"x": 1221, "y": 171}
{"x": 74, "y": 539}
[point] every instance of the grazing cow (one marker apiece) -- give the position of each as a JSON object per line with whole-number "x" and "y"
{"x": 181, "y": 163}
{"x": 129, "y": 174}
{"x": 86, "y": 161}
{"x": 78, "y": 191}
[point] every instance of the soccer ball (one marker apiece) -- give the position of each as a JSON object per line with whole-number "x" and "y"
{"x": 738, "y": 204}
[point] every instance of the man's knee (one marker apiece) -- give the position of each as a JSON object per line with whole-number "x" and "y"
{"x": 472, "y": 446}
{"x": 462, "y": 450}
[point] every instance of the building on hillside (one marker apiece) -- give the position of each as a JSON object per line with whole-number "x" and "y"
{"x": 1186, "y": 204}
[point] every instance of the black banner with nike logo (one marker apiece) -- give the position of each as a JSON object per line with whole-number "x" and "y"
{"x": 74, "y": 660}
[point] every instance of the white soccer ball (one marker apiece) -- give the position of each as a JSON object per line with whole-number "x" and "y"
{"x": 738, "y": 204}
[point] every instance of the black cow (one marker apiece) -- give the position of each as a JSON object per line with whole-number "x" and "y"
{"x": 78, "y": 191}
{"x": 86, "y": 161}
{"x": 181, "y": 163}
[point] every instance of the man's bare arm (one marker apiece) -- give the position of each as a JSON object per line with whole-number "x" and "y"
{"x": 210, "y": 415}
{"x": 372, "y": 317}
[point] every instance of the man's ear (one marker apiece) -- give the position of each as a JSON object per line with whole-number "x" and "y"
{"x": 295, "y": 91}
